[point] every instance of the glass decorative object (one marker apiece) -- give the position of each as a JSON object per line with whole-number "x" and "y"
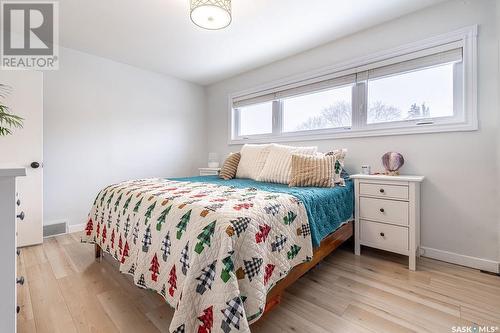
{"x": 213, "y": 160}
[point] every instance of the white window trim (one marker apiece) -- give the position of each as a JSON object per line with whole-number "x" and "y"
{"x": 467, "y": 37}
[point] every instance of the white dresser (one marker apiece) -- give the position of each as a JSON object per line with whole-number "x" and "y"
{"x": 8, "y": 224}
{"x": 387, "y": 212}
{"x": 209, "y": 171}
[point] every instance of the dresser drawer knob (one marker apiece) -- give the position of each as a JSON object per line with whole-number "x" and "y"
{"x": 382, "y": 190}
{"x": 382, "y": 210}
{"x": 20, "y": 280}
{"x": 382, "y": 234}
{"x": 20, "y": 216}
{"x": 18, "y": 308}
{"x": 18, "y": 202}
{"x": 18, "y": 251}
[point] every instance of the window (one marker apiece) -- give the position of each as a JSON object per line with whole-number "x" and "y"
{"x": 428, "y": 87}
{"x": 320, "y": 110}
{"x": 421, "y": 94}
{"x": 256, "y": 119}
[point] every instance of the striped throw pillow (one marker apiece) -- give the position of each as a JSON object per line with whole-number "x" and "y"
{"x": 312, "y": 170}
{"x": 228, "y": 170}
{"x": 278, "y": 164}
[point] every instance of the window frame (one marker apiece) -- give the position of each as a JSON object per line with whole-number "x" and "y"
{"x": 466, "y": 120}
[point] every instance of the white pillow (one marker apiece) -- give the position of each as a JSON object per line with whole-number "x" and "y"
{"x": 253, "y": 158}
{"x": 278, "y": 167}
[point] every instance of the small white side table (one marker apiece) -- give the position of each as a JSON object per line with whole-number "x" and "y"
{"x": 209, "y": 171}
{"x": 387, "y": 214}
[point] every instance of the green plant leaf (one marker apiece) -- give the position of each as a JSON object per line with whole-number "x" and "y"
{"x": 8, "y": 121}
{"x": 4, "y": 131}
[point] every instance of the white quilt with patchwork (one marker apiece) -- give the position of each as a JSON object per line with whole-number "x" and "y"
{"x": 212, "y": 251}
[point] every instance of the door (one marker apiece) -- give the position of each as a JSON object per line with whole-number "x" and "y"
{"x": 24, "y": 147}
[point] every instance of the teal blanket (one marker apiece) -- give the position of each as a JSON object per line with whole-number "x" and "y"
{"x": 327, "y": 208}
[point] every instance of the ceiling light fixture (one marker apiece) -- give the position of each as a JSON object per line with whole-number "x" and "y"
{"x": 211, "y": 14}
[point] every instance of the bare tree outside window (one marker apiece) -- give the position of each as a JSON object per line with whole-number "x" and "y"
{"x": 333, "y": 116}
{"x": 380, "y": 113}
{"x": 418, "y": 111}
{"x": 339, "y": 115}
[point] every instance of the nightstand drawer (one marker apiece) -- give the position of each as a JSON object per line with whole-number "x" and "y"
{"x": 384, "y": 236}
{"x": 209, "y": 171}
{"x": 383, "y": 210}
{"x": 384, "y": 190}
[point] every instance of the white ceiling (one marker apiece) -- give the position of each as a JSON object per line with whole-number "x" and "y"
{"x": 158, "y": 34}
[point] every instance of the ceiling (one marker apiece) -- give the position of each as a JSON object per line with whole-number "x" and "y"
{"x": 158, "y": 34}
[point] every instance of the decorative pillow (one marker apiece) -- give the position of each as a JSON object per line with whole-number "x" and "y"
{"x": 278, "y": 165}
{"x": 253, "y": 158}
{"x": 338, "y": 168}
{"x": 228, "y": 170}
{"x": 312, "y": 170}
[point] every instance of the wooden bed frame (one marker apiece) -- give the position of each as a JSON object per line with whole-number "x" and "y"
{"x": 327, "y": 246}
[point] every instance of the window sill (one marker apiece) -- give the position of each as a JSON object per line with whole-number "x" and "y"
{"x": 360, "y": 133}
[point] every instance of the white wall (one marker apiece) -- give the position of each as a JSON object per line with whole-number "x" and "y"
{"x": 460, "y": 196}
{"x": 105, "y": 122}
{"x": 498, "y": 93}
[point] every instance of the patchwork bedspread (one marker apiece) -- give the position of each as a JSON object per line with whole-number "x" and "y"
{"x": 212, "y": 251}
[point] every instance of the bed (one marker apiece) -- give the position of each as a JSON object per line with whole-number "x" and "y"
{"x": 219, "y": 252}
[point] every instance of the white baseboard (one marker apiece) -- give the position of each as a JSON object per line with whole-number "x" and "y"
{"x": 55, "y": 222}
{"x": 76, "y": 227}
{"x": 460, "y": 259}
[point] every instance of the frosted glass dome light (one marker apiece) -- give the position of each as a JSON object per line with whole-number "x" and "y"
{"x": 211, "y": 14}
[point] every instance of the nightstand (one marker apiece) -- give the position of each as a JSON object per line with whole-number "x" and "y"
{"x": 209, "y": 171}
{"x": 387, "y": 213}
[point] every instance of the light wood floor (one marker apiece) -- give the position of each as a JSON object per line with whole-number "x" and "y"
{"x": 67, "y": 291}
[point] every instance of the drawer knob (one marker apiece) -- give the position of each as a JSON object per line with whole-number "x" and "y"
{"x": 18, "y": 202}
{"x": 382, "y": 234}
{"x": 382, "y": 190}
{"x": 20, "y": 280}
{"x": 382, "y": 210}
{"x": 20, "y": 216}
{"x": 18, "y": 251}
{"x": 18, "y": 308}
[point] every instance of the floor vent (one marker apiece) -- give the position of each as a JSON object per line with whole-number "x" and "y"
{"x": 55, "y": 229}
